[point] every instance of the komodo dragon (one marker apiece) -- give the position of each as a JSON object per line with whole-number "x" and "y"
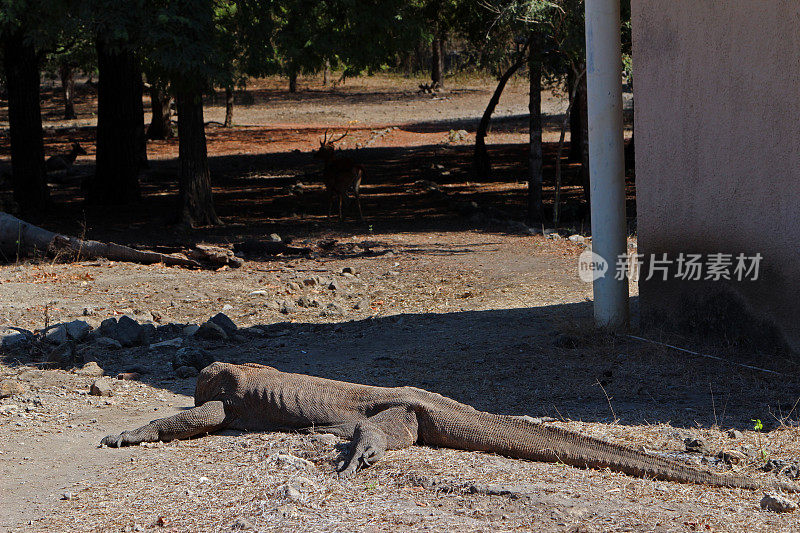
{"x": 260, "y": 398}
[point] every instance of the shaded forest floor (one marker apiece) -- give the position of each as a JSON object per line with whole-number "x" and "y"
{"x": 400, "y": 136}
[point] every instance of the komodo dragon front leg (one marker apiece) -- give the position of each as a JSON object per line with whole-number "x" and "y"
{"x": 207, "y": 418}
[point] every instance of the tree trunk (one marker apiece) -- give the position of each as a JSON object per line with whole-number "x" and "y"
{"x": 293, "y": 81}
{"x": 630, "y": 159}
{"x": 575, "y": 123}
{"x": 25, "y": 124}
{"x": 583, "y": 106}
{"x": 196, "y": 206}
{"x": 228, "y": 107}
{"x": 19, "y": 239}
{"x": 560, "y": 151}
{"x": 326, "y": 73}
{"x": 121, "y": 143}
{"x": 437, "y": 62}
{"x": 67, "y": 75}
{"x": 483, "y": 167}
{"x": 161, "y": 120}
{"x": 535, "y": 212}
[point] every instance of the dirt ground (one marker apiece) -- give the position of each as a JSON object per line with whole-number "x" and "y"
{"x": 464, "y": 305}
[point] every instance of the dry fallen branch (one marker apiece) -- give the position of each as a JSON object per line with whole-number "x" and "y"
{"x": 19, "y": 239}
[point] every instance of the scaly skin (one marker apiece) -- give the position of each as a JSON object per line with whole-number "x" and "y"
{"x": 254, "y": 397}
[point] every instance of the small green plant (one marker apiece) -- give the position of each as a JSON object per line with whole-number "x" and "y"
{"x": 758, "y": 427}
{"x": 372, "y": 485}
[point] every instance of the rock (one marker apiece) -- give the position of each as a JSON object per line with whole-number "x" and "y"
{"x": 349, "y": 270}
{"x": 210, "y": 330}
{"x": 293, "y": 287}
{"x": 126, "y": 330}
{"x": 222, "y": 320}
{"x": 63, "y": 355}
{"x": 177, "y": 342}
{"x": 306, "y": 302}
{"x": 334, "y": 308}
{"x": 91, "y": 369}
{"x": 257, "y": 293}
{"x": 170, "y": 329}
{"x": 325, "y": 439}
{"x": 89, "y": 311}
{"x": 285, "y": 459}
{"x": 775, "y": 502}
{"x": 362, "y": 304}
{"x": 309, "y": 282}
{"x": 67, "y": 496}
{"x": 291, "y": 492}
{"x": 147, "y": 333}
{"x": 128, "y": 376}
{"x": 216, "y": 255}
{"x": 578, "y": 239}
{"x": 56, "y": 334}
{"x": 185, "y": 372}
{"x": 731, "y": 457}
{"x": 11, "y": 387}
{"x": 694, "y": 444}
{"x": 77, "y": 330}
{"x": 16, "y": 340}
{"x": 194, "y": 357}
{"x": 274, "y": 237}
{"x": 734, "y": 434}
{"x": 190, "y": 330}
{"x": 109, "y": 343}
{"x": 242, "y": 523}
{"x": 100, "y": 388}
{"x": 392, "y": 274}
{"x": 789, "y": 469}
{"x": 287, "y": 307}
{"x": 334, "y": 286}
{"x": 107, "y": 325}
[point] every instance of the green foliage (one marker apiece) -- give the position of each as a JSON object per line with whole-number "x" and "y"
{"x": 41, "y": 21}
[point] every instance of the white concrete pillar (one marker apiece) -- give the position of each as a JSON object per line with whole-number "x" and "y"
{"x": 606, "y": 157}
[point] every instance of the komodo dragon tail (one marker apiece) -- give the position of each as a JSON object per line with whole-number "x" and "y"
{"x": 517, "y": 437}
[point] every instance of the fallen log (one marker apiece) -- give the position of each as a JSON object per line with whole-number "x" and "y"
{"x": 19, "y": 239}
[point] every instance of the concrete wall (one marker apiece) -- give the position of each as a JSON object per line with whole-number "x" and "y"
{"x": 717, "y": 102}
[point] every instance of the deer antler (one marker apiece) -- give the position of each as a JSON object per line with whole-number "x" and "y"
{"x": 325, "y": 139}
{"x": 340, "y": 138}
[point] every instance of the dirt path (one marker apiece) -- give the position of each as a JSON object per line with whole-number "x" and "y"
{"x": 39, "y": 467}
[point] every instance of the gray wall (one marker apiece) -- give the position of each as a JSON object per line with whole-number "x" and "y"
{"x": 717, "y": 101}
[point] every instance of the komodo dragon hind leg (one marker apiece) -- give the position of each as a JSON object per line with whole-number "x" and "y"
{"x": 390, "y": 429}
{"x": 368, "y": 447}
{"x": 204, "y": 419}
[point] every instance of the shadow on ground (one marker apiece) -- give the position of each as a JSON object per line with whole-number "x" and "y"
{"x": 541, "y": 361}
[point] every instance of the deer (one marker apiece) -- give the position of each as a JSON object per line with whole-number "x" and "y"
{"x": 63, "y": 163}
{"x": 341, "y": 174}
